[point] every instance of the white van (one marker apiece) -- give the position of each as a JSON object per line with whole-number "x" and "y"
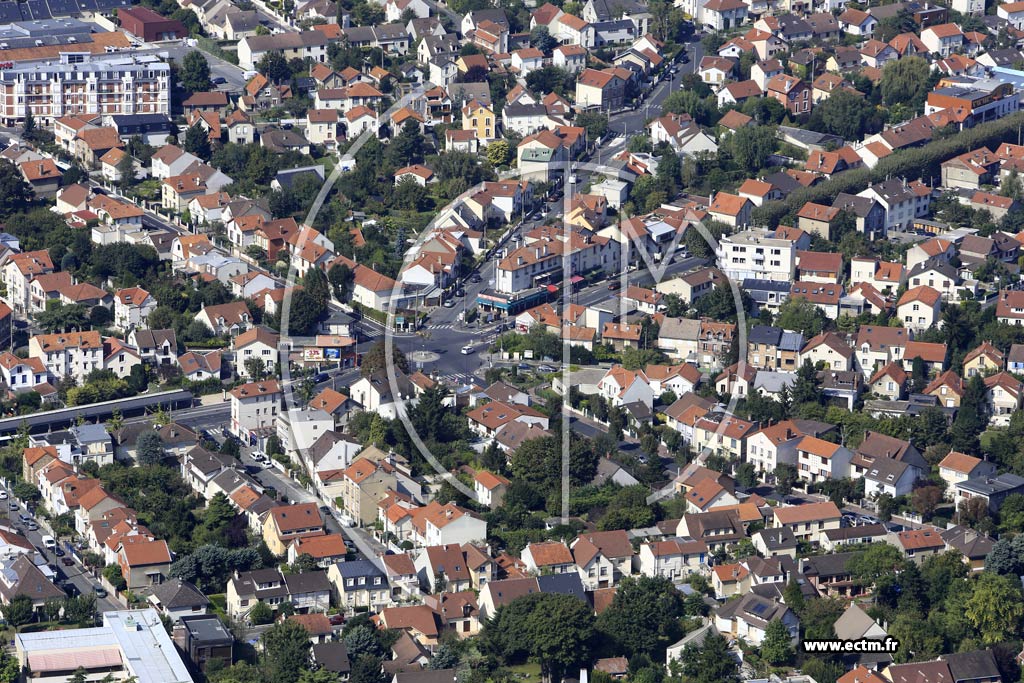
{"x": 49, "y": 543}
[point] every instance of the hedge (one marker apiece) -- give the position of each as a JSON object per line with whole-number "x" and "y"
{"x": 912, "y": 164}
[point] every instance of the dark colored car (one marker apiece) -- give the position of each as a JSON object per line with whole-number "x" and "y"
{"x": 614, "y": 285}
{"x": 67, "y": 562}
{"x": 336, "y": 619}
{"x": 321, "y": 377}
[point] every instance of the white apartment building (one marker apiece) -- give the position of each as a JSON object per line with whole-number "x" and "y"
{"x": 534, "y": 264}
{"x": 69, "y": 353}
{"x": 773, "y": 446}
{"x": 756, "y": 254}
{"x": 132, "y": 307}
{"x": 81, "y": 83}
{"x": 254, "y": 409}
{"x": 18, "y": 273}
{"x": 305, "y": 45}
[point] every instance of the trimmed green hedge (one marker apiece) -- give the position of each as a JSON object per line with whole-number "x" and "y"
{"x": 913, "y": 164}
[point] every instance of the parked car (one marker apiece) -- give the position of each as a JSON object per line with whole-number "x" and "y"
{"x": 49, "y": 542}
{"x": 100, "y": 591}
{"x": 220, "y": 80}
{"x": 449, "y": 303}
{"x": 336, "y": 619}
{"x": 58, "y": 551}
{"x": 614, "y": 285}
{"x": 13, "y": 507}
{"x": 67, "y": 561}
{"x": 321, "y": 377}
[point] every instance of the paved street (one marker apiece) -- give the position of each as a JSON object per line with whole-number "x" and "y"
{"x": 76, "y": 573}
{"x": 218, "y": 67}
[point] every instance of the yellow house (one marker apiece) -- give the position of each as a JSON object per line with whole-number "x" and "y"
{"x": 286, "y": 523}
{"x": 480, "y": 119}
{"x": 984, "y": 360}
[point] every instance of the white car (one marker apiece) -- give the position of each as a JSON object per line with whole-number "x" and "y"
{"x": 467, "y": 349}
{"x": 3, "y": 495}
{"x": 49, "y": 543}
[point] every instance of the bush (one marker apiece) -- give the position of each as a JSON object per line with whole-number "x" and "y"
{"x": 113, "y": 575}
{"x": 261, "y": 614}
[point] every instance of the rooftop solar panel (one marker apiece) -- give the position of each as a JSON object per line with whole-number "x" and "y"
{"x": 38, "y": 9}
{"x": 62, "y": 8}
{"x": 9, "y": 12}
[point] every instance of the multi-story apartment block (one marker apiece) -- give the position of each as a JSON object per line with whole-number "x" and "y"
{"x": 18, "y": 274}
{"x": 540, "y": 261}
{"x": 80, "y": 83}
{"x": 254, "y": 409}
{"x": 757, "y": 254}
{"x": 74, "y": 354}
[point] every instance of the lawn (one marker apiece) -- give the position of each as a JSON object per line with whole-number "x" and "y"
{"x": 529, "y": 673}
{"x": 219, "y": 603}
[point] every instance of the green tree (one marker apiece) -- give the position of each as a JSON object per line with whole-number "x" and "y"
{"x": 541, "y": 38}
{"x": 304, "y": 314}
{"x": 366, "y": 669}
{"x": 360, "y": 640}
{"x": 844, "y": 113}
{"x": 194, "y": 72}
{"x": 407, "y": 146}
{"x": 644, "y": 617}
{"x": 197, "y": 140}
{"x": 498, "y": 151}
{"x": 876, "y": 561}
{"x": 807, "y": 388}
{"x": 776, "y": 648}
{"x": 793, "y": 596}
{"x": 1007, "y": 556}
{"x": 595, "y": 123}
{"x": 905, "y": 81}
{"x": 26, "y": 492}
{"x": 800, "y": 315}
{"x": 971, "y": 417}
{"x": 61, "y": 317}
{"x": 255, "y": 368}
{"x": 319, "y": 676}
{"x": 149, "y": 448}
{"x": 19, "y": 611}
{"x": 375, "y": 359}
{"x": 28, "y": 128}
{"x": 995, "y": 608}
{"x": 15, "y": 193}
{"x": 341, "y": 278}
{"x": 285, "y": 651}
{"x": 751, "y": 146}
{"x": 554, "y": 629}
{"x": 126, "y": 172}
{"x": 710, "y": 663}
{"x": 274, "y": 66}
{"x": 261, "y": 613}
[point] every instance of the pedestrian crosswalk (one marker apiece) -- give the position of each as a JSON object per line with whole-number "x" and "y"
{"x": 440, "y": 326}
{"x": 456, "y": 379}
